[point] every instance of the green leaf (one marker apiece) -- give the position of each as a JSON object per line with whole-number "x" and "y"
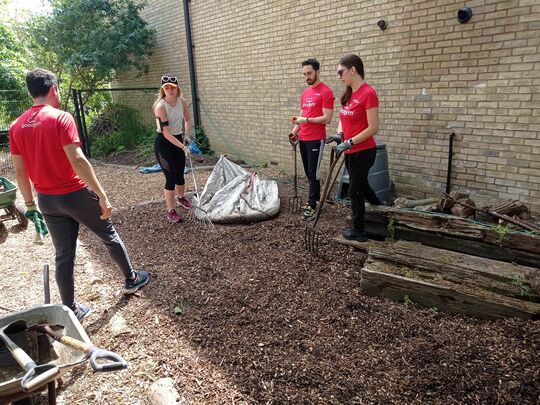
{"x": 179, "y": 310}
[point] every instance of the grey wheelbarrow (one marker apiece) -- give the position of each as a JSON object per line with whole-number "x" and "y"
{"x": 41, "y": 344}
{"x": 8, "y": 195}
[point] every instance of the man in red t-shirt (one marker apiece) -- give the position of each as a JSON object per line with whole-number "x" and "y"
{"x": 317, "y": 108}
{"x": 45, "y": 149}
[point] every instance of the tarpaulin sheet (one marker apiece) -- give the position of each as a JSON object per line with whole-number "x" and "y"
{"x": 232, "y": 194}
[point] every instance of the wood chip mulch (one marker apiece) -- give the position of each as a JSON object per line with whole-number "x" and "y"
{"x": 244, "y": 314}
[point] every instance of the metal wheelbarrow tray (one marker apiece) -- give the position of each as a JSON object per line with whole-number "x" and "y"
{"x": 7, "y": 202}
{"x": 11, "y": 375}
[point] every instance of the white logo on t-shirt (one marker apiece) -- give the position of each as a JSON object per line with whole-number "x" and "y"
{"x": 31, "y": 123}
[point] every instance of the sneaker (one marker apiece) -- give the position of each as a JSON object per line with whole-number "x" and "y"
{"x": 141, "y": 279}
{"x": 353, "y": 234}
{"x": 81, "y": 311}
{"x": 309, "y": 213}
{"x": 184, "y": 202}
{"x": 173, "y": 216}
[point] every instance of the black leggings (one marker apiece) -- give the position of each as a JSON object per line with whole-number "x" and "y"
{"x": 171, "y": 159}
{"x": 358, "y": 165}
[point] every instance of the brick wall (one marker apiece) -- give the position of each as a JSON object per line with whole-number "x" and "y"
{"x": 433, "y": 76}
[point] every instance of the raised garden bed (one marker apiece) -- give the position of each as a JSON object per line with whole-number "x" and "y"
{"x": 450, "y": 281}
{"x": 454, "y": 233}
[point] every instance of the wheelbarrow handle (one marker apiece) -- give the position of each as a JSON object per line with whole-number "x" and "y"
{"x": 31, "y": 380}
{"x": 116, "y": 362}
{"x": 35, "y": 375}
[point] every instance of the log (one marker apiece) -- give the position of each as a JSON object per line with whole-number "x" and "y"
{"x": 521, "y": 224}
{"x": 428, "y": 263}
{"x": 428, "y": 208}
{"x": 509, "y": 208}
{"x": 462, "y": 210}
{"x": 402, "y": 202}
{"x": 452, "y": 233}
{"x": 450, "y": 298}
{"x": 449, "y": 200}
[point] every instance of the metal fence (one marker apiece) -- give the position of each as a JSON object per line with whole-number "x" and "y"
{"x": 89, "y": 106}
{"x": 12, "y": 104}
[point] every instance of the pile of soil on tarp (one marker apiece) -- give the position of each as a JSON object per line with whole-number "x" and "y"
{"x": 244, "y": 314}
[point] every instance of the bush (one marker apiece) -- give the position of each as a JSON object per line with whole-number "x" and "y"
{"x": 202, "y": 141}
{"x": 116, "y": 129}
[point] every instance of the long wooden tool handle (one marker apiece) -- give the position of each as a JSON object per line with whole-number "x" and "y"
{"x": 326, "y": 186}
{"x": 19, "y": 354}
{"x": 76, "y": 344}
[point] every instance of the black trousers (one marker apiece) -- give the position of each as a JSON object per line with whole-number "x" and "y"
{"x": 312, "y": 152}
{"x": 171, "y": 159}
{"x": 358, "y": 165}
{"x": 64, "y": 213}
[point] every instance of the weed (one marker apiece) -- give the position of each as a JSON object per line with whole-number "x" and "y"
{"x": 407, "y": 300}
{"x": 391, "y": 228}
{"x": 202, "y": 140}
{"x": 519, "y": 281}
{"x": 502, "y": 231}
{"x": 179, "y": 310}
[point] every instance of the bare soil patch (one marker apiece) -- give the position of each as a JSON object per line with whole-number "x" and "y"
{"x": 245, "y": 315}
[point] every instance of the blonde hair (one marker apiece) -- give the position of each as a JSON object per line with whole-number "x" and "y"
{"x": 161, "y": 96}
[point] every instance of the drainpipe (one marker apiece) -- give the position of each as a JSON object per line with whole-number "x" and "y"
{"x": 450, "y": 153}
{"x": 191, "y": 60}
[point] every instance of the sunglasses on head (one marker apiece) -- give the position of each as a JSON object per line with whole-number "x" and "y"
{"x": 169, "y": 79}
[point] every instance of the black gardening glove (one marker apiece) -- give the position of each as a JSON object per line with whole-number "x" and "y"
{"x": 337, "y": 138}
{"x": 342, "y": 147}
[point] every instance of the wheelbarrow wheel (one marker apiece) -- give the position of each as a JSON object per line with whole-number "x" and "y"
{"x": 19, "y": 213}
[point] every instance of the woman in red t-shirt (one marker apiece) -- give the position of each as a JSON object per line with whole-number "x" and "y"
{"x": 358, "y": 123}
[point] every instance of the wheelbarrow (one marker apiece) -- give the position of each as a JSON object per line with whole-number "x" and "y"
{"x": 64, "y": 356}
{"x": 8, "y": 195}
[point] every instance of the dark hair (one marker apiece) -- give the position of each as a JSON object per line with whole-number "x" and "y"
{"x": 313, "y": 62}
{"x": 349, "y": 61}
{"x": 39, "y": 82}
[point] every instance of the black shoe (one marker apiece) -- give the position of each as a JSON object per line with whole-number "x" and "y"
{"x": 81, "y": 311}
{"x": 353, "y": 234}
{"x": 141, "y": 279}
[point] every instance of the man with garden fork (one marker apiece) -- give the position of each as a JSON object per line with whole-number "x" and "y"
{"x": 317, "y": 108}
{"x": 45, "y": 149}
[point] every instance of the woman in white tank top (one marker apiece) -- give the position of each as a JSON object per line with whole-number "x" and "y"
{"x": 170, "y": 146}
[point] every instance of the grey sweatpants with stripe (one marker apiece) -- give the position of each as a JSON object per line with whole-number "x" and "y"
{"x": 63, "y": 214}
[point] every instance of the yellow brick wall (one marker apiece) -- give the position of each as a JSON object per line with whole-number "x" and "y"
{"x": 433, "y": 76}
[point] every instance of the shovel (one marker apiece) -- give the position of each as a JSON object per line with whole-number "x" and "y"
{"x": 35, "y": 375}
{"x": 311, "y": 235}
{"x": 294, "y": 202}
{"x": 116, "y": 362}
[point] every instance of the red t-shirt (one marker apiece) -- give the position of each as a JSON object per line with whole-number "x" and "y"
{"x": 39, "y": 136}
{"x": 313, "y": 100}
{"x": 353, "y": 116}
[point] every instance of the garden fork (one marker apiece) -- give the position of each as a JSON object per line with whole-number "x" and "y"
{"x": 311, "y": 235}
{"x": 295, "y": 202}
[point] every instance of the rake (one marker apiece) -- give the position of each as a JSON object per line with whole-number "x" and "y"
{"x": 311, "y": 235}
{"x": 295, "y": 202}
{"x": 202, "y": 215}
